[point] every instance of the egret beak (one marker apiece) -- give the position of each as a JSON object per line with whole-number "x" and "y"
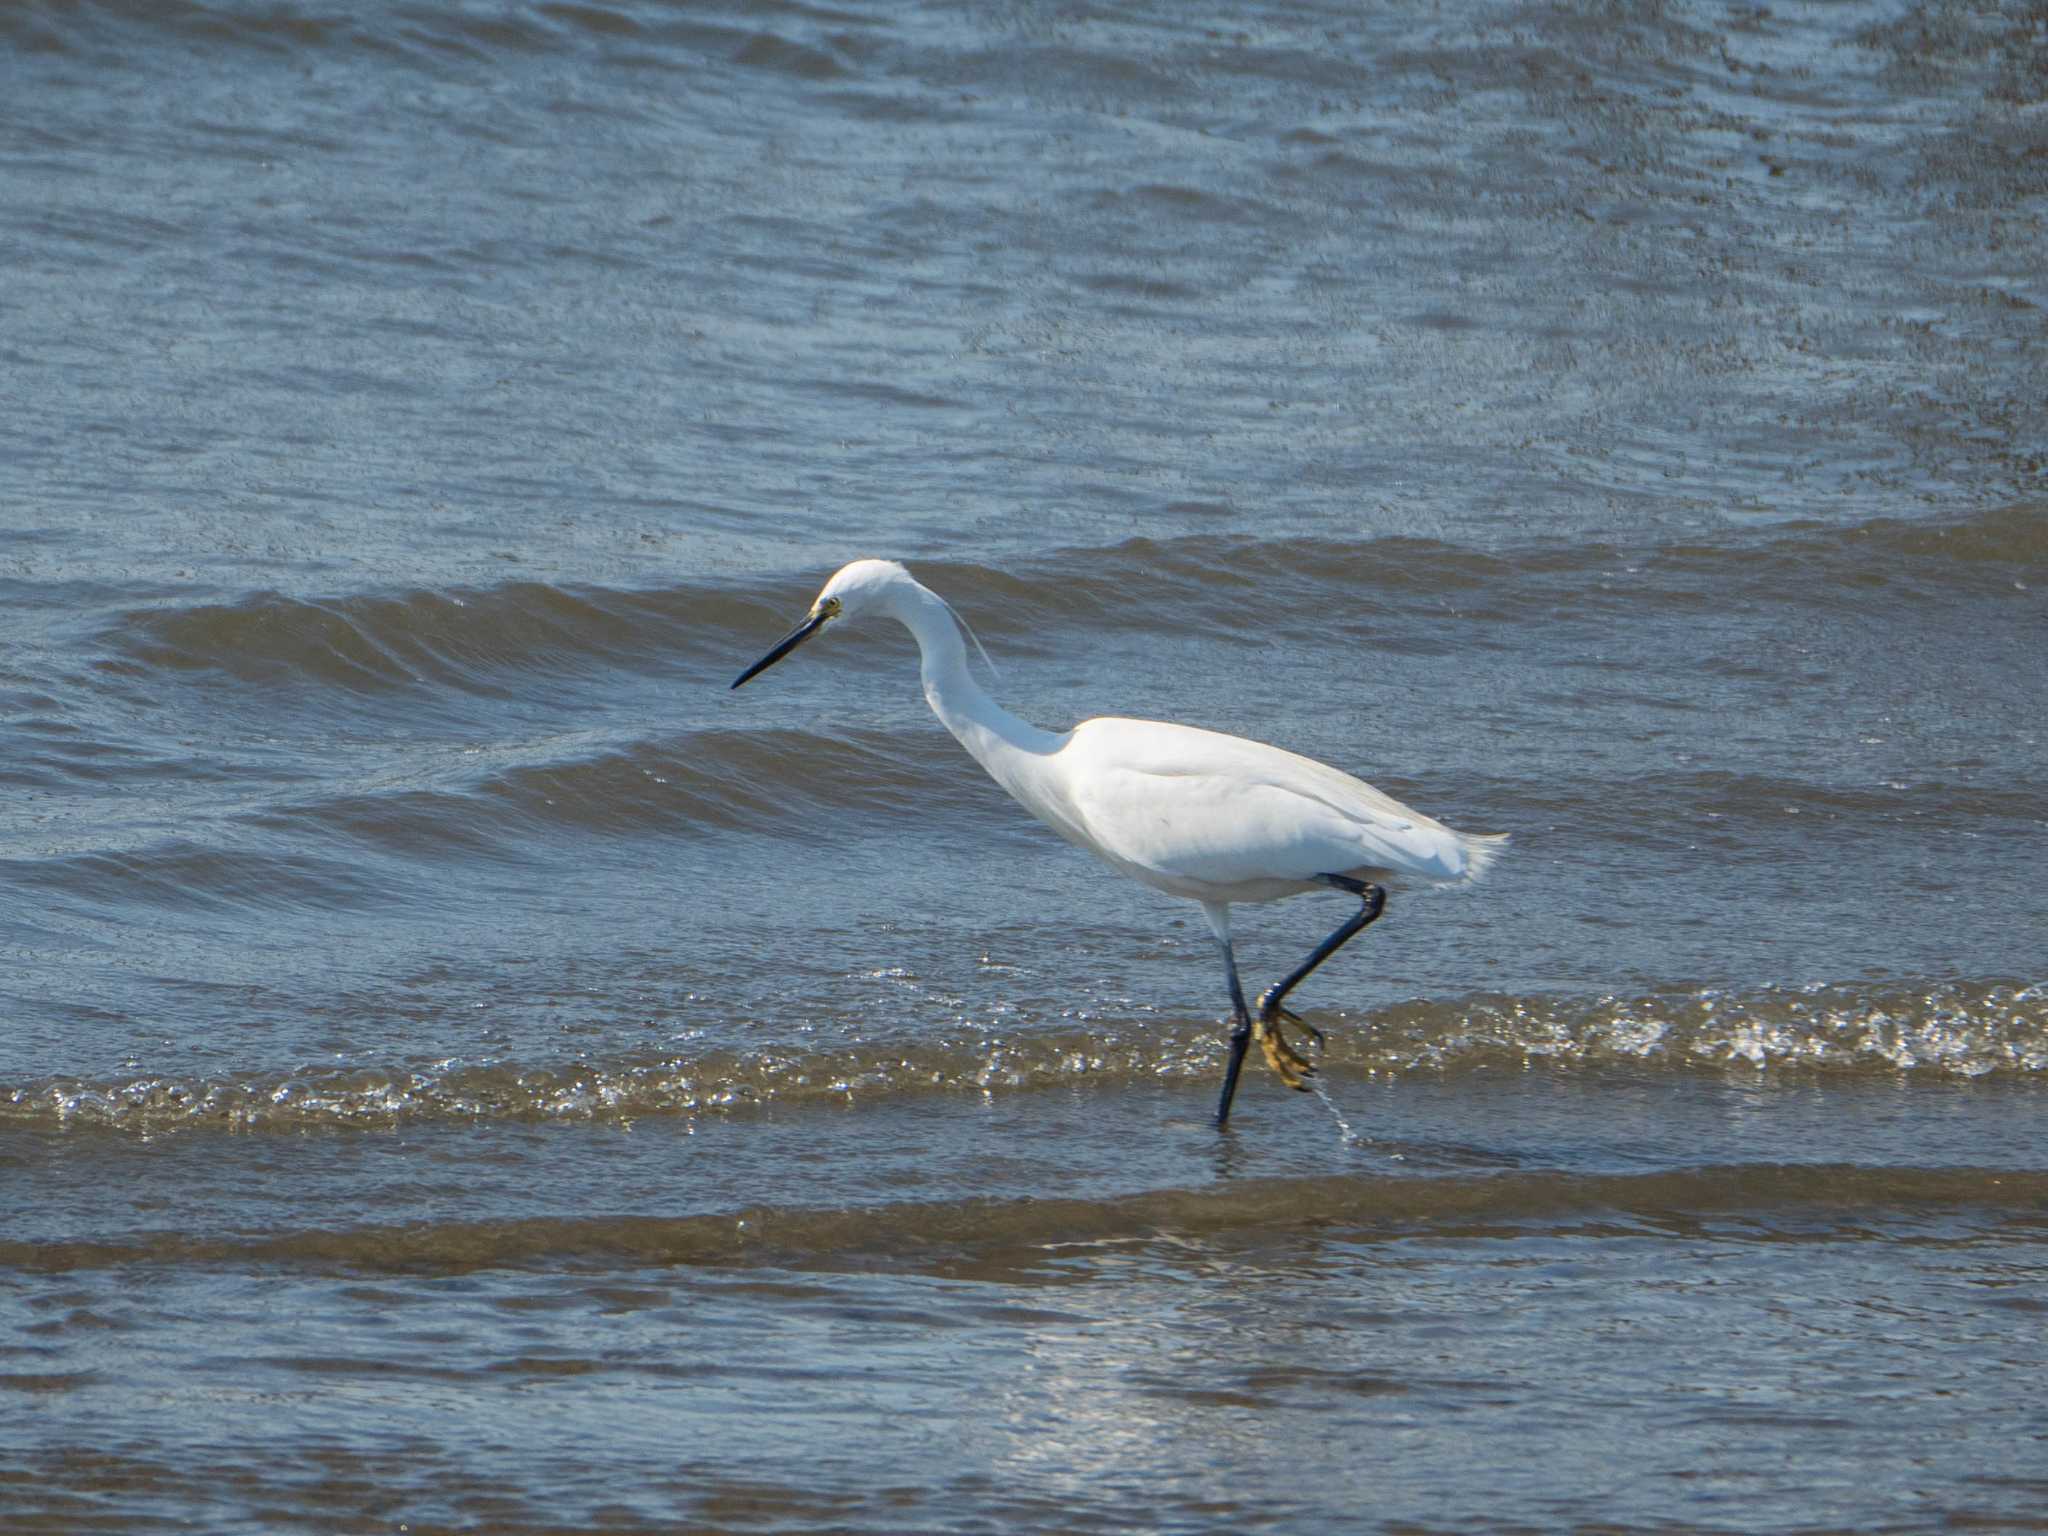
{"x": 785, "y": 645}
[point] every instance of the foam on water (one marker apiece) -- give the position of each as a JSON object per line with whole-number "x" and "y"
{"x": 1943, "y": 1032}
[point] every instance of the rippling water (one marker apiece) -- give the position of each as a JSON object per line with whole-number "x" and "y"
{"x": 464, "y": 1069}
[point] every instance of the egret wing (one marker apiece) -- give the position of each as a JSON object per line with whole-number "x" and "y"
{"x": 1189, "y": 806}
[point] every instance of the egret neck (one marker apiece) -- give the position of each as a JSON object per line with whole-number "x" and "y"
{"x": 1017, "y": 754}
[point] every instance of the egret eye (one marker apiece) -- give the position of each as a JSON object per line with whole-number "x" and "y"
{"x": 829, "y": 609}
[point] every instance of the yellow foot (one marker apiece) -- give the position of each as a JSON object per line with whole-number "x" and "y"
{"x": 1293, "y": 1068}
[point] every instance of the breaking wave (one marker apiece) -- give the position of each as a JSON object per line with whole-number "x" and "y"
{"x": 1942, "y": 1031}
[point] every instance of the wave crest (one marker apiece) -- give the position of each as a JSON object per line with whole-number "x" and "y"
{"x": 1943, "y": 1031}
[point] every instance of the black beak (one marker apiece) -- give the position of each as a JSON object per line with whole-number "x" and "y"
{"x": 784, "y": 646}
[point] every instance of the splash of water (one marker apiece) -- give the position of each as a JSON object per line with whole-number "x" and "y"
{"x": 1346, "y": 1136}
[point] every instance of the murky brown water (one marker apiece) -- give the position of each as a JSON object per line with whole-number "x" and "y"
{"x": 464, "y": 1069}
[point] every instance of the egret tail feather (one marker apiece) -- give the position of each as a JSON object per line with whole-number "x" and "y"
{"x": 1481, "y": 849}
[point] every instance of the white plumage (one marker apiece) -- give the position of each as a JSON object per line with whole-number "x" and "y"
{"x": 1214, "y": 818}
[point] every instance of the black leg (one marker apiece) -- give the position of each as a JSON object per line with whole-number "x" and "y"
{"x": 1240, "y": 1037}
{"x": 1375, "y": 899}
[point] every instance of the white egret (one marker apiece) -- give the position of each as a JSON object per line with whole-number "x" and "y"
{"x": 1214, "y": 818}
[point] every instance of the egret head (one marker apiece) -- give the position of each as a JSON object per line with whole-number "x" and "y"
{"x": 856, "y": 586}
{"x": 852, "y": 588}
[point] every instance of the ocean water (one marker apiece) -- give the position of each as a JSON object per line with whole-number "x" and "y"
{"x": 463, "y": 1068}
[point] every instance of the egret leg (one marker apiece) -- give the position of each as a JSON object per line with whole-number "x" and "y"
{"x": 1218, "y": 914}
{"x": 1240, "y": 1037}
{"x": 1292, "y": 1066}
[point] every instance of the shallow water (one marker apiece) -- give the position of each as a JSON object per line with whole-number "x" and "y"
{"x": 463, "y": 1068}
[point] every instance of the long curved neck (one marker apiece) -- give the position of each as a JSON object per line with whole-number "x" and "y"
{"x": 1012, "y": 750}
